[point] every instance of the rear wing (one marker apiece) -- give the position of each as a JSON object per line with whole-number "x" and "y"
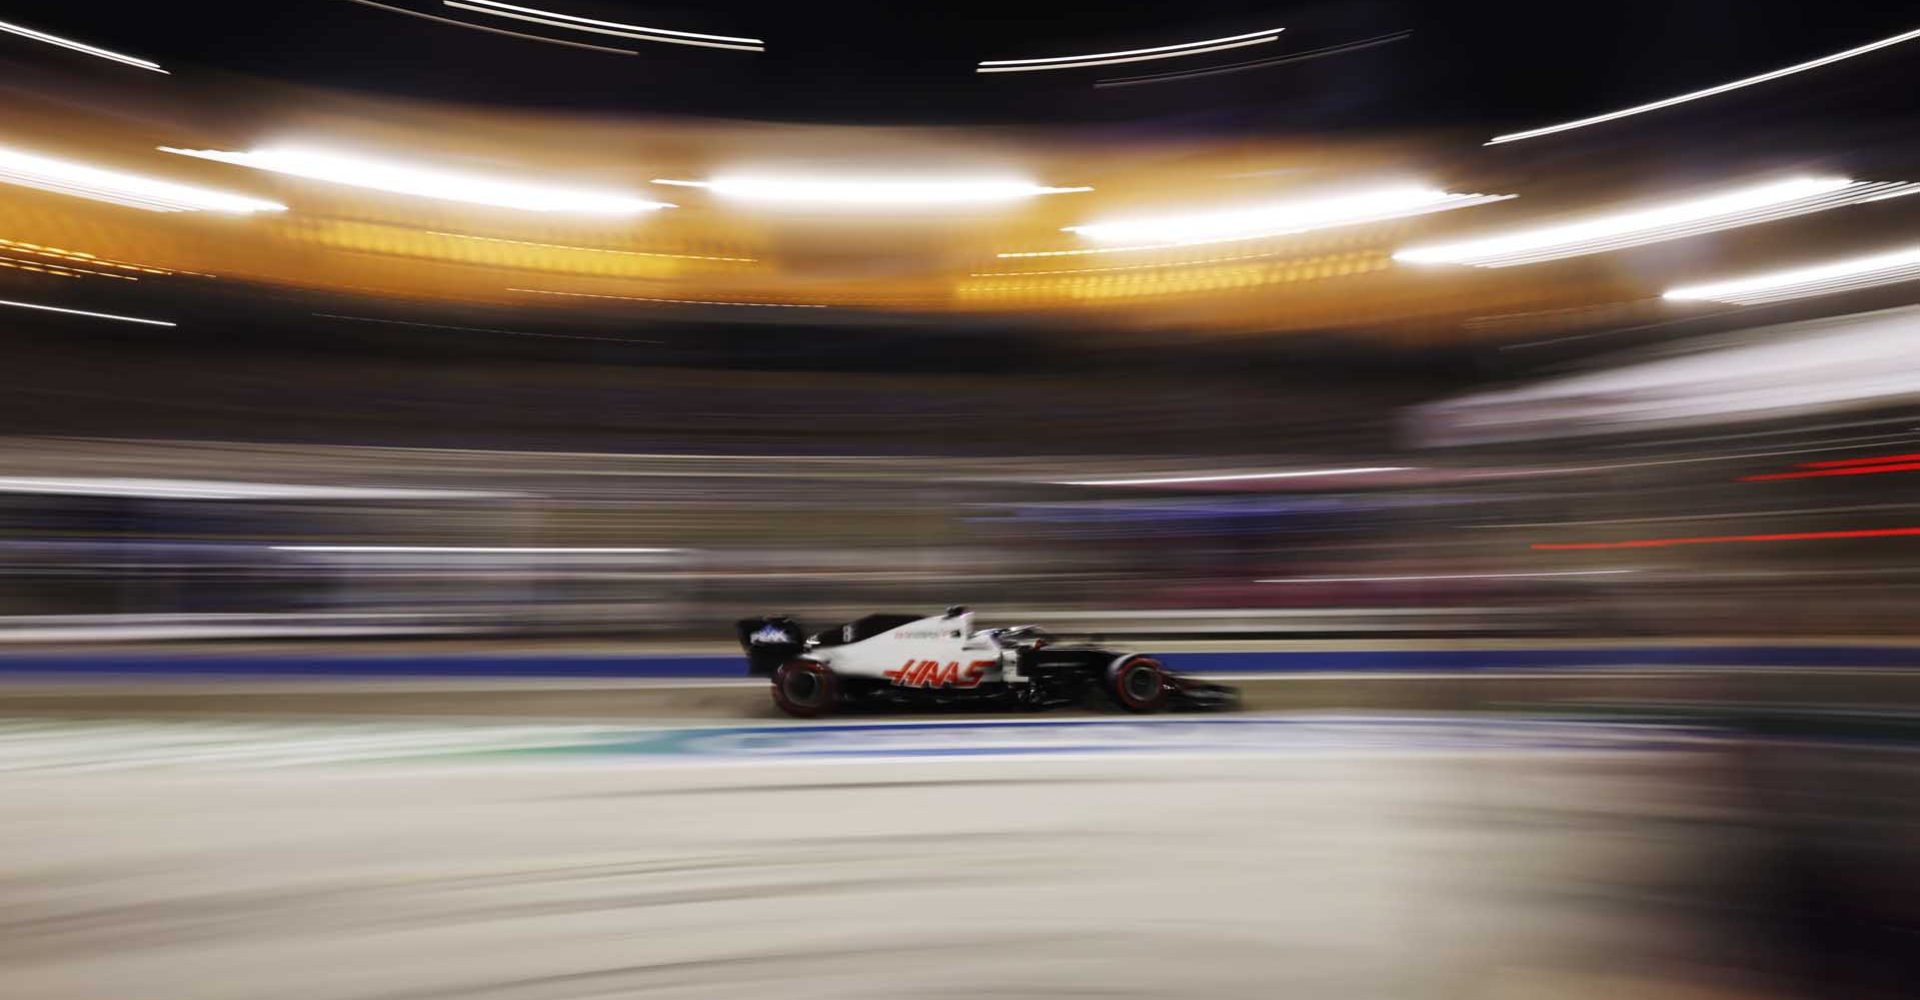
{"x": 769, "y": 641}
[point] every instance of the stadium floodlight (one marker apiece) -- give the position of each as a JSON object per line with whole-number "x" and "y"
{"x": 574, "y": 22}
{"x": 92, "y": 50}
{"x": 429, "y": 182}
{"x": 1129, "y": 55}
{"x": 115, "y": 187}
{"x": 1744, "y": 206}
{"x": 872, "y": 192}
{"x": 1261, "y": 221}
{"x": 1806, "y": 282}
{"x": 1825, "y": 60}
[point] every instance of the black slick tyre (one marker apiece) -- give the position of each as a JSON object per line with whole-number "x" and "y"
{"x": 805, "y": 689}
{"x": 1139, "y": 684}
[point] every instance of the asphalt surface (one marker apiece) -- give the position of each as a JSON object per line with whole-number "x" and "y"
{"x": 1245, "y": 857}
{"x": 748, "y": 699}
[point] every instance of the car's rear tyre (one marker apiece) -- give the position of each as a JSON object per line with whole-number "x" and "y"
{"x": 805, "y": 689}
{"x": 1140, "y": 684}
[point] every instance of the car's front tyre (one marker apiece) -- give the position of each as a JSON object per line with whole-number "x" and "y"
{"x": 805, "y": 689}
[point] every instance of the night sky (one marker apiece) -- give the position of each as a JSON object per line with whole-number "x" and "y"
{"x": 1497, "y": 65}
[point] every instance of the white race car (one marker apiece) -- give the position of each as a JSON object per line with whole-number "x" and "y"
{"x": 911, "y": 660}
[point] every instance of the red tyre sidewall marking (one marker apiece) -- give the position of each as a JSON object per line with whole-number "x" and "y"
{"x": 1127, "y": 665}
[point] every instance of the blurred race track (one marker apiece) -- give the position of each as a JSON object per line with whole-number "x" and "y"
{"x": 1252, "y": 856}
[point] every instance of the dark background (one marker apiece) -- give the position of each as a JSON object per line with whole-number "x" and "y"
{"x": 1496, "y": 64}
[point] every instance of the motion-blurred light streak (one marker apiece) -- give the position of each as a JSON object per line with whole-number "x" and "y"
{"x": 1446, "y": 576}
{"x": 1714, "y": 516}
{"x": 616, "y": 24}
{"x": 1831, "y": 278}
{"x": 475, "y": 549}
{"x": 50, "y": 269}
{"x": 1837, "y": 463}
{"x": 872, "y": 192}
{"x": 1192, "y": 262}
{"x": 483, "y": 329}
{"x": 61, "y": 253}
{"x": 676, "y": 302}
{"x": 1791, "y": 536}
{"x": 1171, "y": 264}
{"x": 92, "y": 50}
{"x": 572, "y": 22}
{"x": 1843, "y": 467}
{"x": 212, "y": 489}
{"x": 83, "y": 312}
{"x": 1195, "y": 74}
{"x": 495, "y": 31}
{"x": 1175, "y": 51}
{"x": 1865, "y": 470}
{"x": 115, "y": 187}
{"x": 1263, "y": 221}
{"x": 1837, "y": 364}
{"x": 429, "y": 182}
{"x": 580, "y": 249}
{"x": 1235, "y": 477}
{"x": 1708, "y": 92}
{"x": 1697, "y": 459}
{"x": 70, "y": 270}
{"x": 1744, "y": 206}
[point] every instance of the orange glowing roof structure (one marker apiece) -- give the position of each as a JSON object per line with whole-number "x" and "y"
{"x": 389, "y": 199}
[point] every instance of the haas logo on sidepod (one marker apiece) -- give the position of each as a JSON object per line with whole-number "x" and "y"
{"x": 932, "y": 674}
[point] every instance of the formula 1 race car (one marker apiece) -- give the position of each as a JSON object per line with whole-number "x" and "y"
{"x": 915, "y": 661}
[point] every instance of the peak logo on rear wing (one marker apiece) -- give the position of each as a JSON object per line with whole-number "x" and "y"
{"x": 770, "y": 635}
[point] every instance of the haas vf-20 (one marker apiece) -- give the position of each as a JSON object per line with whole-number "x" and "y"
{"x": 926, "y": 661}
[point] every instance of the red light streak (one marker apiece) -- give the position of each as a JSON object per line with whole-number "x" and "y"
{"x": 1875, "y": 460}
{"x": 1858, "y": 470}
{"x": 1795, "y": 536}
